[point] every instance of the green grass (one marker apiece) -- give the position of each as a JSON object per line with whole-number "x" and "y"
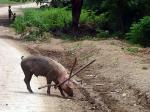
{"x": 133, "y": 50}
{"x": 45, "y": 20}
{"x": 51, "y": 20}
{"x": 6, "y": 2}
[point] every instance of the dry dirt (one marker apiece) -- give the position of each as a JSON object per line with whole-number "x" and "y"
{"x": 118, "y": 81}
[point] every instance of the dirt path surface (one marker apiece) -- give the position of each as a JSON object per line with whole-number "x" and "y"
{"x": 119, "y": 81}
{"x": 14, "y": 96}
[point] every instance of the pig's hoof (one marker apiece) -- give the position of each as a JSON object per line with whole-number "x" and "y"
{"x": 31, "y": 92}
{"x": 48, "y": 93}
{"x": 63, "y": 96}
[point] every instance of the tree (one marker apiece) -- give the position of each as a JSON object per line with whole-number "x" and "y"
{"x": 121, "y": 13}
{"x": 76, "y": 11}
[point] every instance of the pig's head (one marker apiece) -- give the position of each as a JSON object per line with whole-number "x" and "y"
{"x": 68, "y": 88}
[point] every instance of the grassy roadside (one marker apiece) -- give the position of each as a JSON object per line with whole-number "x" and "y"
{"x": 36, "y": 22}
{"x": 6, "y": 2}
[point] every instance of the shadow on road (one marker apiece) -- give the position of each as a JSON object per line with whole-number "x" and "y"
{"x": 4, "y": 21}
{"x": 6, "y": 37}
{"x": 43, "y": 94}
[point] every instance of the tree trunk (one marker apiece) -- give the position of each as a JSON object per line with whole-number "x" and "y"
{"x": 120, "y": 12}
{"x": 76, "y": 11}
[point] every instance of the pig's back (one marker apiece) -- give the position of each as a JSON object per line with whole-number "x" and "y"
{"x": 38, "y": 65}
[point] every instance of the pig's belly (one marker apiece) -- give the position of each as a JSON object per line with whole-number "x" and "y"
{"x": 40, "y": 73}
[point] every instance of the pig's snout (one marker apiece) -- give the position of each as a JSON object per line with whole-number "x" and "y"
{"x": 69, "y": 91}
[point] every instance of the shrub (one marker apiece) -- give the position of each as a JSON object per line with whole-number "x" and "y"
{"x": 140, "y": 32}
{"x": 58, "y": 20}
{"x": 133, "y": 50}
{"x": 19, "y": 24}
{"x": 102, "y": 34}
{"x": 45, "y": 20}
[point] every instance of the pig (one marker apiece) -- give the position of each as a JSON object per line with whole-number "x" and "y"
{"x": 49, "y": 68}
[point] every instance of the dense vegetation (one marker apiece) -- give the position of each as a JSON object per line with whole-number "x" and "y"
{"x": 140, "y": 32}
{"x": 99, "y": 18}
{"x": 6, "y": 1}
{"x": 55, "y": 20}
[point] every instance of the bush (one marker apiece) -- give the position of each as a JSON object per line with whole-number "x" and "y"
{"x": 102, "y": 34}
{"x": 45, "y": 20}
{"x": 58, "y": 20}
{"x": 133, "y": 50}
{"x": 19, "y": 24}
{"x": 98, "y": 21}
{"x": 140, "y": 32}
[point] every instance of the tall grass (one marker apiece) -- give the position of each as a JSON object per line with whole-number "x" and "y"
{"x": 46, "y": 20}
{"x": 56, "y": 19}
{"x": 53, "y": 18}
{"x": 7, "y": 2}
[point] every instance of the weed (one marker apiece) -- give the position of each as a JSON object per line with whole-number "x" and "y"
{"x": 74, "y": 48}
{"x": 7, "y": 2}
{"x": 133, "y": 50}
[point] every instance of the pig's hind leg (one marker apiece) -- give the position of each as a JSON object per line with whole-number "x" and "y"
{"x": 27, "y": 79}
{"x": 49, "y": 87}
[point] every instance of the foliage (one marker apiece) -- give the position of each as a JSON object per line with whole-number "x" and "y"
{"x": 106, "y": 17}
{"x": 44, "y": 20}
{"x": 140, "y": 32}
{"x": 48, "y": 19}
{"x": 19, "y": 0}
{"x": 6, "y": 2}
{"x": 133, "y": 50}
{"x": 102, "y": 34}
{"x": 121, "y": 12}
{"x": 19, "y": 24}
{"x": 35, "y": 34}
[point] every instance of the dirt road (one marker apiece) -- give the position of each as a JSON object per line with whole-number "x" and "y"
{"x": 14, "y": 96}
{"x": 118, "y": 81}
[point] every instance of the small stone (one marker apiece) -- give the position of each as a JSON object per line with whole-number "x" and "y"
{"x": 92, "y": 108}
{"x": 144, "y": 68}
{"x": 124, "y": 94}
{"x": 68, "y": 99}
{"x": 134, "y": 105}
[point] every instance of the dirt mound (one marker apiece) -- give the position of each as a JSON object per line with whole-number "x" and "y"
{"x": 64, "y": 57}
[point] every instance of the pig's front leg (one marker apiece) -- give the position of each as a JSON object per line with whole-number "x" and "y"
{"x": 49, "y": 87}
{"x": 61, "y": 91}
